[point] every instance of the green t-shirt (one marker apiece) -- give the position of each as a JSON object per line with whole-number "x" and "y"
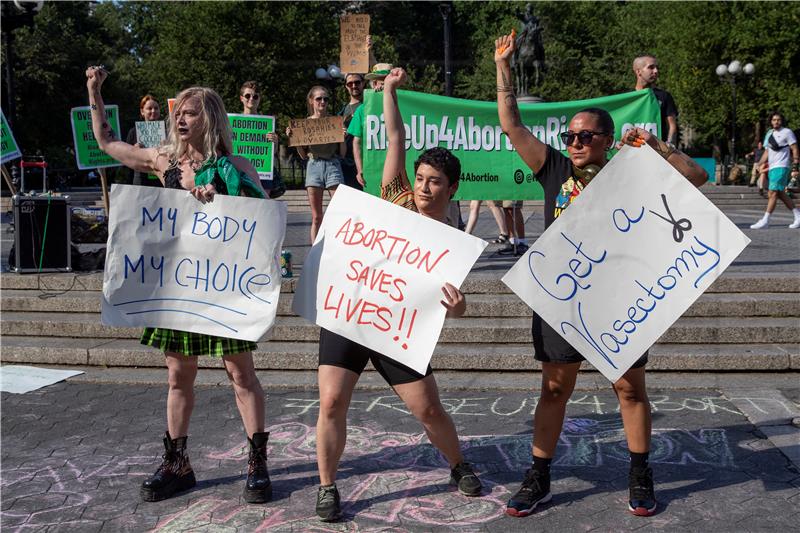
{"x": 356, "y": 127}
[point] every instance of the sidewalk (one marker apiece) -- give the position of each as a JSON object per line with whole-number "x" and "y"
{"x": 725, "y": 456}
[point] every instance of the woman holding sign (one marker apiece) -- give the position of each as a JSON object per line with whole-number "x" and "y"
{"x": 324, "y": 169}
{"x": 588, "y": 139}
{"x": 341, "y": 360}
{"x": 150, "y": 111}
{"x": 196, "y": 157}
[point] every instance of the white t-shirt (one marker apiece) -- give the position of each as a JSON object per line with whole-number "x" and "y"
{"x": 785, "y": 138}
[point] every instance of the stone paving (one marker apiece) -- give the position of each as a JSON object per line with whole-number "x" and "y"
{"x": 74, "y": 454}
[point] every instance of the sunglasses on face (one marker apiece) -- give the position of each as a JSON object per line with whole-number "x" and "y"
{"x": 353, "y": 84}
{"x": 321, "y": 99}
{"x": 584, "y": 136}
{"x": 248, "y": 96}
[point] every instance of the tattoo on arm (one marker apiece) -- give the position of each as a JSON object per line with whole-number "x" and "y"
{"x": 505, "y": 78}
{"x": 511, "y": 102}
{"x": 105, "y": 125}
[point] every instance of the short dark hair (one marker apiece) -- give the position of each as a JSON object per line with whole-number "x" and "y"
{"x": 603, "y": 117}
{"x": 779, "y": 114}
{"x": 250, "y": 84}
{"x": 360, "y": 76}
{"x": 442, "y": 160}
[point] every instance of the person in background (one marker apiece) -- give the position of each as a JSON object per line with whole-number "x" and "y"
{"x": 783, "y": 157}
{"x": 324, "y": 169}
{"x": 645, "y": 67}
{"x": 496, "y": 208}
{"x": 354, "y": 83}
{"x": 250, "y": 97}
{"x": 149, "y": 110}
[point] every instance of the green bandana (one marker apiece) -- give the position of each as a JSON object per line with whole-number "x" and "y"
{"x": 235, "y": 180}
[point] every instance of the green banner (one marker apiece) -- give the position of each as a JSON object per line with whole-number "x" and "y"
{"x": 87, "y": 153}
{"x": 10, "y": 148}
{"x": 250, "y": 141}
{"x": 490, "y": 167}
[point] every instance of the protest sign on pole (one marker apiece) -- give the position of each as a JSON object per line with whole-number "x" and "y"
{"x": 250, "y": 141}
{"x": 151, "y": 134}
{"x": 10, "y": 149}
{"x": 87, "y": 153}
{"x": 634, "y": 250}
{"x": 490, "y": 167}
{"x": 171, "y": 104}
{"x": 208, "y": 268}
{"x": 308, "y": 131}
{"x": 354, "y": 55}
{"x": 375, "y": 273}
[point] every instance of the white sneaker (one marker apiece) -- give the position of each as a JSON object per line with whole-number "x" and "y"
{"x": 761, "y": 224}
{"x": 795, "y": 224}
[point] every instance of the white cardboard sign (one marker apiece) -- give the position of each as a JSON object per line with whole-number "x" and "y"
{"x": 211, "y": 268}
{"x": 621, "y": 265}
{"x": 375, "y": 273}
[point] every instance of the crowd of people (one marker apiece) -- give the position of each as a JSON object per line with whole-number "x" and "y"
{"x": 198, "y": 149}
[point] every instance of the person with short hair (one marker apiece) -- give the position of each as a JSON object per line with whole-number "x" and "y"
{"x": 645, "y": 67}
{"x": 341, "y": 360}
{"x": 354, "y": 84}
{"x": 780, "y": 143}
{"x": 589, "y": 136}
{"x": 197, "y": 157}
{"x": 149, "y": 110}
{"x": 250, "y": 97}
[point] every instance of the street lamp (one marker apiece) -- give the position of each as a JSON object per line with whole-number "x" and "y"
{"x": 729, "y": 73}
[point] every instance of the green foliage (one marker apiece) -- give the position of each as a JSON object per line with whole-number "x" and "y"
{"x": 164, "y": 47}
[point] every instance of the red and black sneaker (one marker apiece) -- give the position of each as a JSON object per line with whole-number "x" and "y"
{"x": 642, "y": 500}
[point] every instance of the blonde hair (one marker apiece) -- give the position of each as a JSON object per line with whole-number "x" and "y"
{"x": 217, "y": 134}
{"x": 310, "y": 95}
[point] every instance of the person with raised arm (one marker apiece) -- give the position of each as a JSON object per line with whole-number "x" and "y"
{"x": 196, "y": 157}
{"x": 341, "y": 360}
{"x": 589, "y": 137}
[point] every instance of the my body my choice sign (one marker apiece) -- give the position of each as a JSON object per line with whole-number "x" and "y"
{"x": 490, "y": 167}
{"x": 375, "y": 273}
{"x": 634, "y": 250}
{"x": 176, "y": 263}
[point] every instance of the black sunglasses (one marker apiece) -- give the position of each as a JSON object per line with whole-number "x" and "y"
{"x": 321, "y": 98}
{"x": 254, "y": 96}
{"x": 584, "y": 136}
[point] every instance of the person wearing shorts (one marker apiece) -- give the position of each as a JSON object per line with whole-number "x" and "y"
{"x": 324, "y": 168}
{"x": 780, "y": 143}
{"x": 589, "y": 137}
{"x": 341, "y": 361}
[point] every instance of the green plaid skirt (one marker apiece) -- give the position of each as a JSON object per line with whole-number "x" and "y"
{"x": 188, "y": 343}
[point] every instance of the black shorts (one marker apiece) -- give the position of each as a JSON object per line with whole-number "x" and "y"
{"x": 338, "y": 351}
{"x": 550, "y": 347}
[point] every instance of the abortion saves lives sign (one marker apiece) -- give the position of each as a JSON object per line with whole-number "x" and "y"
{"x": 375, "y": 273}
{"x": 630, "y": 255}
{"x": 176, "y": 263}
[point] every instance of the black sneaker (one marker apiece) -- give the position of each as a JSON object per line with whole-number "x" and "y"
{"x": 328, "y": 506}
{"x": 508, "y": 249}
{"x": 642, "y": 500}
{"x": 520, "y": 249}
{"x": 465, "y": 479}
{"x": 535, "y": 489}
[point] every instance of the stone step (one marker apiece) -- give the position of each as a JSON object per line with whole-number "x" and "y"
{"x": 480, "y": 331}
{"x": 476, "y": 283}
{"x": 466, "y": 357}
{"x": 478, "y": 305}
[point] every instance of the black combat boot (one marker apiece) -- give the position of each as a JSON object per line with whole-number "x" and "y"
{"x": 258, "y": 488}
{"x": 174, "y": 475}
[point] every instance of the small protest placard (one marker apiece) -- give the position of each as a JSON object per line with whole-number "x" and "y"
{"x": 171, "y": 104}
{"x": 374, "y": 275}
{"x": 10, "y": 149}
{"x": 176, "y": 263}
{"x": 354, "y": 56}
{"x": 250, "y": 141}
{"x": 308, "y": 131}
{"x": 634, "y": 250}
{"x": 87, "y": 153}
{"x": 151, "y": 134}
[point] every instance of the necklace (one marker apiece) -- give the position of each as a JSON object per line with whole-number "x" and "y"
{"x": 194, "y": 164}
